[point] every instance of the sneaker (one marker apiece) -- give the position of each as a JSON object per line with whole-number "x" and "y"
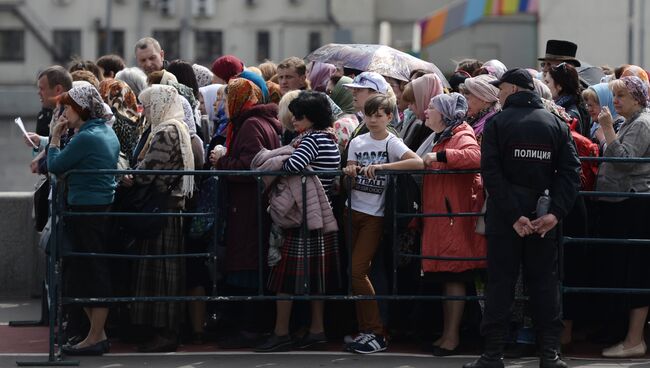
{"x": 369, "y": 344}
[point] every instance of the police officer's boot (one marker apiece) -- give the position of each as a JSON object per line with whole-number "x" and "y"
{"x": 493, "y": 355}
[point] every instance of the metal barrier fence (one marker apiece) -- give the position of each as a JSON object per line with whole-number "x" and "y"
{"x": 59, "y": 212}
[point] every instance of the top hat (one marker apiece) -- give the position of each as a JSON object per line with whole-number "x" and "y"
{"x": 562, "y": 51}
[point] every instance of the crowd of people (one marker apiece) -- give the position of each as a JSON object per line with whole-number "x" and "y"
{"x": 523, "y": 128}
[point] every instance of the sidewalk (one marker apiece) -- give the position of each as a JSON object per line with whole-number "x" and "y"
{"x": 31, "y": 344}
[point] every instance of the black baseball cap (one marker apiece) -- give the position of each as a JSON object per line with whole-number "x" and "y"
{"x": 518, "y": 77}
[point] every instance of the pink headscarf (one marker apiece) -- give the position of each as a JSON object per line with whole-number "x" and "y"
{"x": 320, "y": 74}
{"x": 425, "y": 88}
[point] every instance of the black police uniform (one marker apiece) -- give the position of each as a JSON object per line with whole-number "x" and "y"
{"x": 525, "y": 150}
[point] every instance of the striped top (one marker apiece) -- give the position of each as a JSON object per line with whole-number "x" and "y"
{"x": 318, "y": 150}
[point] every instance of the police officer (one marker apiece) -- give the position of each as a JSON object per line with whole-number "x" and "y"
{"x": 526, "y": 150}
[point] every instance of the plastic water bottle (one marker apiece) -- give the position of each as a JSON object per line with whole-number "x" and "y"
{"x": 543, "y": 204}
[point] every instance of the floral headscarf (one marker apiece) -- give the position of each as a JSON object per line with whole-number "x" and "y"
{"x": 635, "y": 71}
{"x": 275, "y": 95}
{"x": 162, "y": 109}
{"x": 637, "y": 88}
{"x": 242, "y": 94}
{"x": 88, "y": 98}
{"x": 203, "y": 75}
{"x": 453, "y": 108}
{"x": 118, "y": 95}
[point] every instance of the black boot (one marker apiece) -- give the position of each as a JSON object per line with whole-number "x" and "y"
{"x": 485, "y": 362}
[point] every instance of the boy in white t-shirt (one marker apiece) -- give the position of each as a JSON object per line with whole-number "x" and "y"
{"x": 376, "y": 150}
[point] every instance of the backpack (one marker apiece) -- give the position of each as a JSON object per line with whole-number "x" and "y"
{"x": 402, "y": 196}
{"x": 586, "y": 148}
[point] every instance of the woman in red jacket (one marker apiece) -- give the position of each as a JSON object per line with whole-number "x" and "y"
{"x": 454, "y": 147}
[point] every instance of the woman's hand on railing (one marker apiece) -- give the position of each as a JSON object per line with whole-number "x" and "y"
{"x": 430, "y": 158}
{"x": 127, "y": 180}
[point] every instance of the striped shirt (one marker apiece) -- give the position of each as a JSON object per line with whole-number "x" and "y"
{"x": 318, "y": 150}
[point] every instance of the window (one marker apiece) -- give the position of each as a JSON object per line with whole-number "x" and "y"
{"x": 263, "y": 45}
{"x": 12, "y": 45}
{"x": 117, "y": 43}
{"x": 208, "y": 45}
{"x": 314, "y": 41}
{"x": 170, "y": 41}
{"x": 67, "y": 44}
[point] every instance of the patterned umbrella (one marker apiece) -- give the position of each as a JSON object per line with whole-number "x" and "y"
{"x": 381, "y": 59}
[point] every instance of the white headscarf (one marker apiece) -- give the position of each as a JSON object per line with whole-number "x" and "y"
{"x": 163, "y": 108}
{"x": 210, "y": 93}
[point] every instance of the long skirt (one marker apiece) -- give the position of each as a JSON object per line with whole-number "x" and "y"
{"x": 87, "y": 277}
{"x": 161, "y": 277}
{"x": 323, "y": 264}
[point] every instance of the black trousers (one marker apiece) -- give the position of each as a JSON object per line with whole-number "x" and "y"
{"x": 540, "y": 270}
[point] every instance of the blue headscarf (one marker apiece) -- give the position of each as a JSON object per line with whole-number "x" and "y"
{"x": 605, "y": 97}
{"x": 259, "y": 81}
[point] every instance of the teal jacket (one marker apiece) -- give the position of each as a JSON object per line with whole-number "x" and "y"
{"x": 95, "y": 146}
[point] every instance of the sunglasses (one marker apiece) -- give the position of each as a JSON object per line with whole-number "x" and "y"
{"x": 559, "y": 66}
{"x": 362, "y": 79}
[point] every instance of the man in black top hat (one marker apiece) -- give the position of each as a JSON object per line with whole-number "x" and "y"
{"x": 525, "y": 152}
{"x": 559, "y": 51}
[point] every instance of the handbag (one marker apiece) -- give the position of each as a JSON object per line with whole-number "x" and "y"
{"x": 407, "y": 199}
{"x": 201, "y": 226}
{"x": 42, "y": 204}
{"x": 142, "y": 199}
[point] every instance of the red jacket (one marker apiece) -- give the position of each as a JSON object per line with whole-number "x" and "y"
{"x": 444, "y": 193}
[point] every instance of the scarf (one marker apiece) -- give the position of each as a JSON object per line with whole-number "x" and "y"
{"x": 242, "y": 95}
{"x": 203, "y": 75}
{"x": 87, "y": 97}
{"x": 342, "y": 96}
{"x": 163, "y": 109}
{"x": 424, "y": 89}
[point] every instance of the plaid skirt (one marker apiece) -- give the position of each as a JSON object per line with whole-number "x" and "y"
{"x": 323, "y": 264}
{"x": 161, "y": 277}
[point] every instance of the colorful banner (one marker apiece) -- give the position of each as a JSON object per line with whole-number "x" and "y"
{"x": 467, "y": 12}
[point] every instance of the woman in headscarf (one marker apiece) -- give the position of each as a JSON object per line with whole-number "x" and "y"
{"x": 627, "y": 217}
{"x": 319, "y": 75}
{"x": 252, "y": 127}
{"x": 168, "y": 147}
{"x": 596, "y": 97}
{"x": 124, "y": 106}
{"x": 635, "y": 71}
{"x": 93, "y": 147}
{"x": 418, "y": 93}
{"x": 482, "y": 102}
{"x": 346, "y": 123}
{"x": 454, "y": 148}
{"x": 203, "y": 75}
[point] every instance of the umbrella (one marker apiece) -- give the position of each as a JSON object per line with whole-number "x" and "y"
{"x": 381, "y": 59}
{"x": 589, "y": 75}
